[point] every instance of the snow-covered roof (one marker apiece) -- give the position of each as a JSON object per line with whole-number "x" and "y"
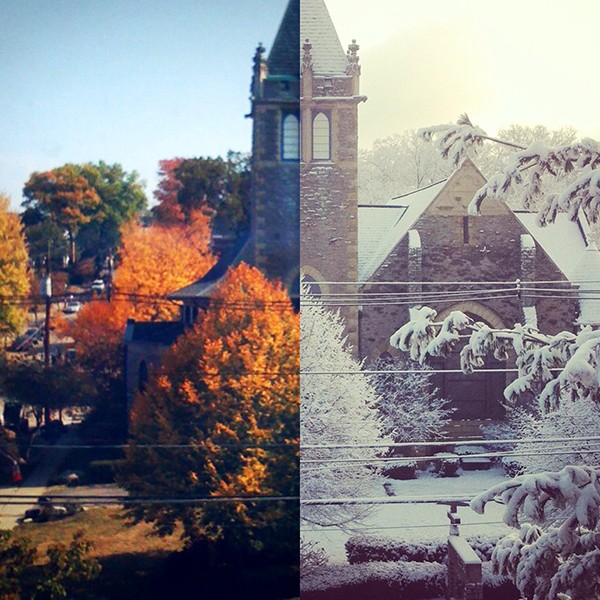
{"x": 563, "y": 241}
{"x": 328, "y": 56}
{"x": 381, "y": 227}
{"x": 587, "y": 273}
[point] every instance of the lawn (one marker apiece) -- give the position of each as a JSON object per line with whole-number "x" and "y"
{"x": 132, "y": 558}
{"x": 136, "y": 564}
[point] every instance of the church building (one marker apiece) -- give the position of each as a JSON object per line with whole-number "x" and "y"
{"x": 376, "y": 262}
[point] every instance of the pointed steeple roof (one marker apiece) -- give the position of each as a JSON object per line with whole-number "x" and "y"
{"x": 328, "y": 56}
{"x": 284, "y": 58}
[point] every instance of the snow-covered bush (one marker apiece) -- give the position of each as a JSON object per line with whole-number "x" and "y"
{"x": 410, "y": 408}
{"x": 381, "y": 580}
{"x": 312, "y": 557}
{"x": 446, "y": 464}
{"x": 336, "y": 409}
{"x": 394, "y": 580}
{"x": 377, "y": 548}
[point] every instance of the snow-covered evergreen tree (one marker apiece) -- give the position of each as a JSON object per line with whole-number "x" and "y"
{"x": 336, "y": 409}
{"x": 409, "y": 407}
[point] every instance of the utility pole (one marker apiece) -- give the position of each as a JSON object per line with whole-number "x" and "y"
{"x": 109, "y": 287}
{"x": 47, "y": 293}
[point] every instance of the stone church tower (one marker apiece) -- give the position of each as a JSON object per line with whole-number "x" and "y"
{"x": 329, "y": 98}
{"x": 275, "y": 154}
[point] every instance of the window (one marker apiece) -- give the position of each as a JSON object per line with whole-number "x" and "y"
{"x": 290, "y": 143}
{"x": 465, "y": 230}
{"x": 142, "y": 376}
{"x": 321, "y": 141}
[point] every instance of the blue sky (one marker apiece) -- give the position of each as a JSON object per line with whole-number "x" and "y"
{"x": 126, "y": 81}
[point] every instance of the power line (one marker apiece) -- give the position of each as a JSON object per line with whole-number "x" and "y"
{"x": 356, "y": 528}
{"x": 28, "y": 500}
{"x": 326, "y": 463}
{"x": 446, "y": 442}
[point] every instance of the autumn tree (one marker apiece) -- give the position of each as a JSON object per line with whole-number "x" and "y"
{"x": 64, "y": 196}
{"x": 214, "y": 185}
{"x": 14, "y": 277}
{"x": 227, "y": 394}
{"x": 154, "y": 261}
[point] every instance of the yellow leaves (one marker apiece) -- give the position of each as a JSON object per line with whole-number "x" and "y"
{"x": 14, "y": 273}
{"x": 158, "y": 260}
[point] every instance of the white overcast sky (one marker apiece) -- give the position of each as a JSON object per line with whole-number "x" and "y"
{"x": 424, "y": 63}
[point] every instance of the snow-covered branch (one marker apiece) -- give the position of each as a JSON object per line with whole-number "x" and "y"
{"x": 538, "y": 357}
{"x": 454, "y": 142}
{"x": 557, "y": 548}
{"x": 529, "y": 170}
{"x": 525, "y": 172}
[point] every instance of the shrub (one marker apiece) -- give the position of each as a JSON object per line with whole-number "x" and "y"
{"x": 390, "y": 581}
{"x": 363, "y": 549}
{"x": 375, "y": 580}
{"x": 446, "y": 464}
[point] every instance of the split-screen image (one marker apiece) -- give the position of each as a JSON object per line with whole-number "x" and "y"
{"x": 299, "y": 300}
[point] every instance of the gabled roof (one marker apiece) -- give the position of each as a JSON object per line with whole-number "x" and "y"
{"x": 284, "y": 56}
{"x": 328, "y": 56}
{"x": 563, "y": 241}
{"x": 231, "y": 256}
{"x": 381, "y": 227}
{"x": 587, "y": 273}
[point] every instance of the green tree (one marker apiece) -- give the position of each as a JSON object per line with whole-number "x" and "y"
{"x": 229, "y": 390}
{"x": 64, "y": 196}
{"x": 220, "y": 187}
{"x": 14, "y": 277}
{"x": 59, "y": 387}
{"x": 89, "y": 202}
{"x": 122, "y": 199}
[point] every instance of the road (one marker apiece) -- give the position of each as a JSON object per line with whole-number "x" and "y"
{"x": 35, "y": 484}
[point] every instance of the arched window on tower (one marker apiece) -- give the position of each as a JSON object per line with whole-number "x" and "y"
{"x": 290, "y": 137}
{"x": 321, "y": 141}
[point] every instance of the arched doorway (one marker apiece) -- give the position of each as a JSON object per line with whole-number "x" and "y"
{"x": 476, "y": 396}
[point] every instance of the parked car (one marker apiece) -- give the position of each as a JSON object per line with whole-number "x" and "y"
{"x": 98, "y": 285}
{"x": 33, "y": 336}
{"x": 73, "y": 306}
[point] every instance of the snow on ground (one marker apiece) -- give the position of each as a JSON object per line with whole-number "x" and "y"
{"x": 420, "y": 521}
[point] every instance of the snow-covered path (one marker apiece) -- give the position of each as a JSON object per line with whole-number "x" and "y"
{"x": 420, "y": 521}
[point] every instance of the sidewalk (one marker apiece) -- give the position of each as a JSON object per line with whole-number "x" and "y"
{"x": 36, "y": 483}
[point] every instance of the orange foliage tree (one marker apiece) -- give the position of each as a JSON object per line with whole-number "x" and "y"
{"x": 229, "y": 392}
{"x": 154, "y": 261}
